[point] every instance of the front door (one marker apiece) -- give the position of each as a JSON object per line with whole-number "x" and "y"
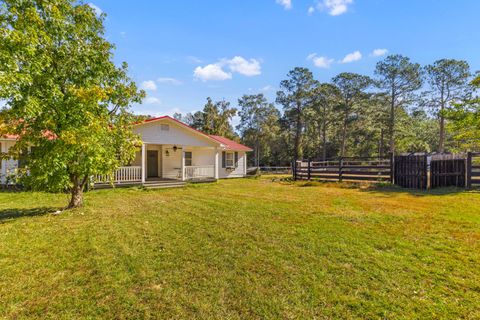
{"x": 152, "y": 163}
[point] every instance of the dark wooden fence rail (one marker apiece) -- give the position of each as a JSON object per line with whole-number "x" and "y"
{"x": 345, "y": 169}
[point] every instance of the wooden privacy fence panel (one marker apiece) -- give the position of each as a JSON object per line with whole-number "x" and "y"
{"x": 345, "y": 169}
{"x": 473, "y": 169}
{"x": 411, "y": 171}
{"x": 448, "y": 171}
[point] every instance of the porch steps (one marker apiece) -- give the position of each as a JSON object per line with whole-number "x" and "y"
{"x": 203, "y": 180}
{"x": 155, "y": 184}
{"x": 163, "y": 184}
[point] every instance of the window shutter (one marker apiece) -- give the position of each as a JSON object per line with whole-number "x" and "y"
{"x": 224, "y": 159}
{"x": 236, "y": 159}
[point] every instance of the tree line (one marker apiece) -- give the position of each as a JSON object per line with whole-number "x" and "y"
{"x": 404, "y": 107}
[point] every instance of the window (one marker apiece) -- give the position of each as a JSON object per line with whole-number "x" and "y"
{"x": 164, "y": 127}
{"x": 229, "y": 160}
{"x": 188, "y": 158}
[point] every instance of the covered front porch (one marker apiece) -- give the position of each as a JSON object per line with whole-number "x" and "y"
{"x": 156, "y": 163}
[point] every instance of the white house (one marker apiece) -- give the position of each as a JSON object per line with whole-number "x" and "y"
{"x": 171, "y": 151}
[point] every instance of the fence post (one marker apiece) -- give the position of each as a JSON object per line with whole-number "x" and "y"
{"x": 427, "y": 172}
{"x": 294, "y": 169}
{"x": 340, "y": 170}
{"x": 469, "y": 170}
{"x": 309, "y": 169}
{"x": 392, "y": 167}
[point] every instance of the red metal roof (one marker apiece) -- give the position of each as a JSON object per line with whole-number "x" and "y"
{"x": 230, "y": 144}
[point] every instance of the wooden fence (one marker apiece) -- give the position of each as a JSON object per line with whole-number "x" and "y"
{"x": 473, "y": 169}
{"x": 415, "y": 171}
{"x": 411, "y": 171}
{"x": 448, "y": 170}
{"x": 345, "y": 169}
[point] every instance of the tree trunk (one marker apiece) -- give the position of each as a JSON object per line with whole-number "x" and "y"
{"x": 324, "y": 142}
{"x": 298, "y": 135}
{"x": 391, "y": 125}
{"x": 441, "y": 144}
{"x": 76, "y": 192}
{"x": 380, "y": 149}
{"x": 257, "y": 154}
{"x": 344, "y": 135}
{"x": 441, "y": 147}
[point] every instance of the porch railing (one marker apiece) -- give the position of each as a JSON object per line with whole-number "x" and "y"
{"x": 199, "y": 172}
{"x": 122, "y": 175}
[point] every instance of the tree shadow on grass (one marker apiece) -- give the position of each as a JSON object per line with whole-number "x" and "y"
{"x": 16, "y": 213}
{"x": 390, "y": 190}
{"x": 387, "y": 189}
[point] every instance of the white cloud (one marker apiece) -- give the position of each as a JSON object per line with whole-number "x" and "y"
{"x": 238, "y": 64}
{"x": 243, "y": 66}
{"x": 379, "y": 52}
{"x": 286, "y": 4}
{"x": 311, "y": 10}
{"x": 171, "y": 81}
{"x": 97, "y": 9}
{"x": 351, "y": 57}
{"x": 149, "y": 85}
{"x": 320, "y": 61}
{"x": 211, "y": 72}
{"x": 152, "y": 100}
{"x": 335, "y": 7}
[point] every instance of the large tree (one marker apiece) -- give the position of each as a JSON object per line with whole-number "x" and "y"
{"x": 465, "y": 121}
{"x": 326, "y": 102}
{"x": 216, "y": 118}
{"x": 448, "y": 80}
{"x": 65, "y": 98}
{"x": 352, "y": 88}
{"x": 399, "y": 79}
{"x": 295, "y": 97}
{"x": 258, "y": 124}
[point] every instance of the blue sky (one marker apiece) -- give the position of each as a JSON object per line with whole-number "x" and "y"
{"x": 186, "y": 50}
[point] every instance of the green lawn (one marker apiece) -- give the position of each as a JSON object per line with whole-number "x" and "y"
{"x": 241, "y": 249}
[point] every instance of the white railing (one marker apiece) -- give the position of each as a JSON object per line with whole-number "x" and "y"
{"x": 199, "y": 172}
{"x": 122, "y": 175}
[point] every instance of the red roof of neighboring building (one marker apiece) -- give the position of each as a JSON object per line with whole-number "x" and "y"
{"x": 9, "y": 136}
{"x": 49, "y": 135}
{"x": 230, "y": 144}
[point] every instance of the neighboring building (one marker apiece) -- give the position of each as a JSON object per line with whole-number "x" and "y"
{"x": 171, "y": 151}
{"x": 7, "y": 167}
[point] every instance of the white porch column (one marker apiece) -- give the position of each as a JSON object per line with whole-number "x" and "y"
{"x": 216, "y": 169}
{"x": 3, "y": 163}
{"x": 183, "y": 164}
{"x": 245, "y": 163}
{"x": 144, "y": 147}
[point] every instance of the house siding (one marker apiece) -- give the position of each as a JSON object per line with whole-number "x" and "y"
{"x": 6, "y": 165}
{"x": 238, "y": 172}
{"x": 176, "y": 135}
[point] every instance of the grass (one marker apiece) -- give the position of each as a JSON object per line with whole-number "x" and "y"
{"x": 238, "y": 249}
